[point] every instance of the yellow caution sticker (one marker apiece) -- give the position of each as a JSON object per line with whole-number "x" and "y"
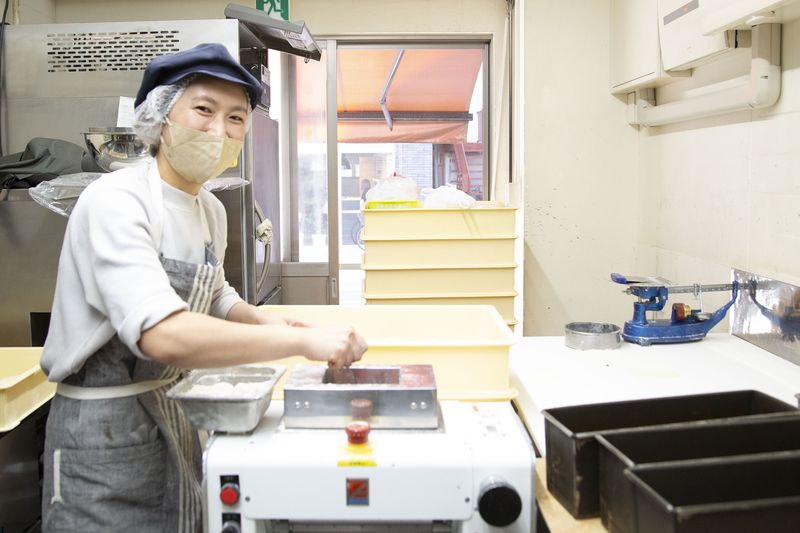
{"x": 357, "y": 455}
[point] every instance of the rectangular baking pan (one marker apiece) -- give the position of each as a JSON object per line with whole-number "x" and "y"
{"x": 729, "y": 437}
{"x": 571, "y": 449}
{"x": 756, "y": 493}
{"x": 233, "y": 413}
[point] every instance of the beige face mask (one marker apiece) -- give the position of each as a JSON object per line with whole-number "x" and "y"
{"x": 199, "y": 156}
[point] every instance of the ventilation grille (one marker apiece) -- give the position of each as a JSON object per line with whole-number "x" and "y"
{"x": 107, "y": 51}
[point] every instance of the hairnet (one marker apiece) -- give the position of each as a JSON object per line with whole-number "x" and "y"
{"x": 150, "y": 115}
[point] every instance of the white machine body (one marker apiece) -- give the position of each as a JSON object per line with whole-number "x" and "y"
{"x": 477, "y": 466}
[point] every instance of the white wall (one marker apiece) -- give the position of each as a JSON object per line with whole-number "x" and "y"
{"x": 32, "y": 12}
{"x": 581, "y": 199}
{"x": 123, "y": 10}
{"x": 725, "y": 191}
{"x": 686, "y": 201}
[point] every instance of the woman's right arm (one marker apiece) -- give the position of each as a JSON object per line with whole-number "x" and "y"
{"x": 194, "y": 340}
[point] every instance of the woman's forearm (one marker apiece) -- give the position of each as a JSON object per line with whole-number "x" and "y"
{"x": 194, "y": 340}
{"x": 244, "y": 313}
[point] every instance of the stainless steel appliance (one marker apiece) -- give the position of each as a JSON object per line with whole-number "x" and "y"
{"x": 62, "y": 79}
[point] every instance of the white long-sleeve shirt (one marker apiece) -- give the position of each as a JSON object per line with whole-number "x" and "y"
{"x": 110, "y": 278}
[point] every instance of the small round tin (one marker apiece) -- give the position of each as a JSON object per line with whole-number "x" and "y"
{"x": 591, "y": 336}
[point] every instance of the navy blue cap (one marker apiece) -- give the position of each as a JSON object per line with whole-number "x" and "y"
{"x": 209, "y": 59}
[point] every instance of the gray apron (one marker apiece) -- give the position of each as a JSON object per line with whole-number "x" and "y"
{"x": 120, "y": 456}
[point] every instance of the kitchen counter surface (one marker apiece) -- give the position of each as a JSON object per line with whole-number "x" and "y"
{"x": 547, "y": 374}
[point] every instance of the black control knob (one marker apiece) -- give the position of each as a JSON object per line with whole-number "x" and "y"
{"x": 499, "y": 503}
{"x": 231, "y": 527}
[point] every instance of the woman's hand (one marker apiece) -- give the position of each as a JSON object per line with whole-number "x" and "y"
{"x": 339, "y": 346}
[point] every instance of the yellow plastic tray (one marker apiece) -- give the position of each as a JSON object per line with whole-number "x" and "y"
{"x": 23, "y": 386}
{"x": 439, "y": 223}
{"x": 466, "y": 344}
{"x": 503, "y": 303}
{"x": 391, "y": 204}
{"x": 422, "y": 282}
{"x": 439, "y": 252}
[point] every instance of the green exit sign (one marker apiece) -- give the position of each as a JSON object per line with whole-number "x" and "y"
{"x": 274, "y": 8}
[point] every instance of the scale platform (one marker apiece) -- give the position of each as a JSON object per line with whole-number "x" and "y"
{"x": 396, "y": 397}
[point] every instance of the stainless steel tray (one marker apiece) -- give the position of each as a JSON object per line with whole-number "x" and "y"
{"x": 231, "y": 399}
{"x": 401, "y": 396}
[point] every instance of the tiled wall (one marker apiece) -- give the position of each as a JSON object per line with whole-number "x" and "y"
{"x": 725, "y": 192}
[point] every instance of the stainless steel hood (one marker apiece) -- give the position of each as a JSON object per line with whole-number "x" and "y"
{"x": 258, "y": 30}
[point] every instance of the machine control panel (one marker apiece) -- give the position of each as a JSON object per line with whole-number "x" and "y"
{"x": 231, "y": 523}
{"x": 229, "y": 491}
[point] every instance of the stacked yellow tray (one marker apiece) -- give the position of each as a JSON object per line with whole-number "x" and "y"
{"x": 441, "y": 256}
{"x": 467, "y": 345}
{"x": 23, "y": 386}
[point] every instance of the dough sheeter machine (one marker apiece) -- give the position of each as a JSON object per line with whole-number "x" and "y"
{"x": 370, "y": 449}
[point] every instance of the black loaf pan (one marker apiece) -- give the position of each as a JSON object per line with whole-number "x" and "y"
{"x": 719, "y": 438}
{"x": 745, "y": 494}
{"x": 571, "y": 448}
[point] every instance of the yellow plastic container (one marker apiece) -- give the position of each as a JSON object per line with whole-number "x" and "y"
{"x": 504, "y": 303}
{"x": 415, "y": 252}
{"x": 23, "y": 386}
{"x": 438, "y": 282}
{"x": 391, "y": 204}
{"x": 466, "y": 344}
{"x": 489, "y": 221}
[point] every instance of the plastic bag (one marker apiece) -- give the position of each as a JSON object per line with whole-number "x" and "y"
{"x": 60, "y": 194}
{"x": 393, "y": 188}
{"x": 224, "y": 184}
{"x": 447, "y": 196}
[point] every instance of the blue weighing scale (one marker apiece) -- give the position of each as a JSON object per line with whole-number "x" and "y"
{"x": 685, "y": 324}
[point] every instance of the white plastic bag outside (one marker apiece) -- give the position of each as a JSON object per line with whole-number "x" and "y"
{"x": 393, "y": 188}
{"x": 447, "y": 196}
{"x": 60, "y": 194}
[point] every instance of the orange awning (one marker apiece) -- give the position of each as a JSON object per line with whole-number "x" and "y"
{"x": 428, "y": 84}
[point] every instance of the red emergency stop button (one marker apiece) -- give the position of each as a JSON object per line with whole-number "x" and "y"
{"x": 229, "y": 494}
{"x": 357, "y": 432}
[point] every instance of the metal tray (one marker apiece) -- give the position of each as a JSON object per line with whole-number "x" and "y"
{"x": 226, "y": 408}
{"x": 398, "y": 396}
{"x": 747, "y": 493}
{"x": 571, "y": 448}
{"x": 620, "y": 451}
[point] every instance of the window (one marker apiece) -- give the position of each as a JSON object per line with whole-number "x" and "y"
{"x": 413, "y": 109}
